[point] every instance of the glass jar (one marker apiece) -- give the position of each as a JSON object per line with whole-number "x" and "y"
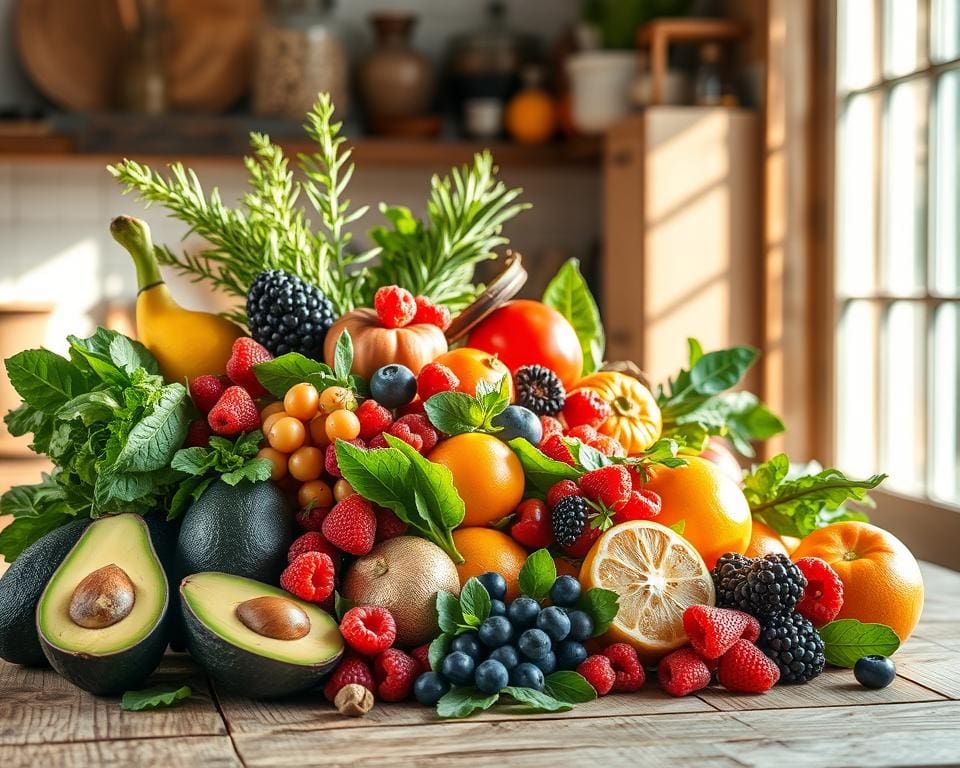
{"x": 299, "y": 53}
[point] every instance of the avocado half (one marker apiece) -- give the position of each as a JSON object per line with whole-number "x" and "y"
{"x": 102, "y": 617}
{"x": 292, "y": 648}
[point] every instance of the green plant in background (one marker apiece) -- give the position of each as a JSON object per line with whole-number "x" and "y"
{"x": 617, "y": 20}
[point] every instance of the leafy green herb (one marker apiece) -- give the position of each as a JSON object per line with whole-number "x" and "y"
{"x": 281, "y": 373}
{"x": 537, "y": 575}
{"x": 795, "y": 503}
{"x": 847, "y": 640}
{"x": 461, "y": 701}
{"x": 540, "y": 470}
{"x": 153, "y": 698}
{"x": 341, "y": 605}
{"x": 455, "y": 413}
{"x": 450, "y": 614}
{"x": 569, "y": 294}
{"x": 602, "y": 605}
{"x": 536, "y": 701}
{"x": 343, "y": 356}
{"x": 439, "y": 647}
{"x": 570, "y": 687}
{"x": 474, "y": 602}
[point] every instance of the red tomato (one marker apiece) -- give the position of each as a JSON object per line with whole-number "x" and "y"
{"x": 524, "y": 332}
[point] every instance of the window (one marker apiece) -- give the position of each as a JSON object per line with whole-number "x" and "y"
{"x": 898, "y": 243}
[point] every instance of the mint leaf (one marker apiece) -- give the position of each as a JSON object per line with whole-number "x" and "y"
{"x": 454, "y": 413}
{"x": 281, "y": 373}
{"x": 461, "y": 701}
{"x": 570, "y": 687}
{"x": 89, "y": 407}
{"x": 128, "y": 355}
{"x": 537, "y": 575}
{"x": 152, "y": 698}
{"x": 449, "y": 613}
{"x": 718, "y": 371}
{"x": 602, "y": 606}
{"x": 44, "y": 380}
{"x": 343, "y": 356}
{"x": 535, "y": 701}
{"x": 439, "y": 647}
{"x": 194, "y": 461}
{"x": 474, "y": 602}
{"x": 253, "y": 471}
{"x": 739, "y": 416}
{"x": 540, "y": 470}
{"x": 341, "y": 605}
{"x": 587, "y": 457}
{"x": 847, "y": 640}
{"x": 153, "y": 441}
{"x": 568, "y": 293}
{"x": 493, "y": 399}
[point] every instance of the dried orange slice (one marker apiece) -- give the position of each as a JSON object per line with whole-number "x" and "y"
{"x": 657, "y": 574}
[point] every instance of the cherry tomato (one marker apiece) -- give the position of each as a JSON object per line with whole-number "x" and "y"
{"x": 275, "y": 407}
{"x": 286, "y": 434}
{"x": 317, "y": 492}
{"x": 342, "y": 425}
{"x": 269, "y": 421}
{"x": 279, "y": 461}
{"x": 306, "y": 464}
{"x": 318, "y": 430}
{"x": 337, "y": 399}
{"x": 342, "y": 489}
{"x": 302, "y": 401}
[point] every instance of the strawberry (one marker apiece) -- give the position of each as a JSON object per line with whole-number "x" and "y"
{"x": 584, "y": 433}
{"x": 311, "y": 518}
{"x": 608, "y": 446}
{"x": 431, "y": 314}
{"x": 245, "y": 354}
{"x": 422, "y": 655}
{"x": 557, "y": 450}
{"x": 752, "y": 631}
{"x": 330, "y": 457}
{"x": 389, "y": 526}
{"x": 374, "y": 419}
{"x": 640, "y": 505}
{"x": 551, "y": 428}
{"x": 435, "y": 378}
{"x": 205, "y": 391}
{"x": 746, "y": 668}
{"x": 682, "y": 672}
{"x": 351, "y": 525}
{"x": 198, "y": 434}
{"x": 533, "y": 527}
{"x": 560, "y": 490}
{"x": 235, "y": 412}
{"x": 584, "y": 406}
{"x": 713, "y": 631}
{"x": 608, "y": 485}
{"x": 352, "y": 669}
{"x": 823, "y": 596}
{"x": 395, "y": 306}
{"x": 584, "y": 541}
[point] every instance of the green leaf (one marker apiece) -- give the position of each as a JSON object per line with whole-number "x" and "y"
{"x": 449, "y": 613}
{"x": 474, "y": 602}
{"x": 493, "y": 399}
{"x": 602, "y": 606}
{"x": 89, "y": 407}
{"x": 535, "y": 701}
{"x": 569, "y": 687}
{"x": 128, "y": 355}
{"x": 540, "y": 470}
{"x": 717, "y": 371}
{"x": 847, "y": 640}
{"x": 537, "y": 575}
{"x": 461, "y": 701}
{"x": 281, "y": 373}
{"x": 695, "y": 351}
{"x": 568, "y": 293}
{"x": 154, "y": 440}
{"x": 679, "y": 527}
{"x": 23, "y": 531}
{"x": 454, "y": 413}
{"x": 439, "y": 647}
{"x": 194, "y": 461}
{"x": 587, "y": 457}
{"x": 44, "y": 380}
{"x": 343, "y": 356}
{"x": 253, "y": 471}
{"x": 153, "y": 698}
{"x": 341, "y": 605}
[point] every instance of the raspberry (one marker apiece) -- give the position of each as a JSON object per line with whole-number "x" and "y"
{"x": 395, "y": 673}
{"x": 235, "y": 412}
{"x": 682, "y": 672}
{"x": 435, "y": 378}
{"x": 330, "y": 457}
{"x": 374, "y": 419}
{"x": 245, "y": 354}
{"x": 584, "y": 433}
{"x": 626, "y": 665}
{"x": 608, "y": 485}
{"x": 823, "y": 596}
{"x": 561, "y": 489}
{"x": 608, "y": 446}
{"x": 533, "y": 527}
{"x": 198, "y": 434}
{"x": 310, "y": 577}
{"x": 311, "y": 519}
{"x": 640, "y": 505}
{"x": 351, "y": 669}
{"x": 551, "y": 428}
{"x": 379, "y": 441}
{"x": 205, "y": 391}
{"x": 368, "y": 629}
{"x": 570, "y": 519}
{"x": 431, "y": 314}
{"x": 415, "y": 431}
{"x": 313, "y": 541}
{"x": 395, "y": 306}
{"x": 584, "y": 406}
{"x": 422, "y": 656}
{"x": 745, "y": 668}
{"x": 557, "y": 450}
{"x": 599, "y": 673}
{"x": 351, "y": 525}
{"x": 389, "y": 526}
{"x": 412, "y": 408}
{"x": 713, "y": 631}
{"x": 583, "y": 542}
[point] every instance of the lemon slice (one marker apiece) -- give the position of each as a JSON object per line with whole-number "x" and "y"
{"x": 657, "y": 574}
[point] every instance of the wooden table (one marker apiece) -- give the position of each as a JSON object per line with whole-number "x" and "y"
{"x": 832, "y": 721}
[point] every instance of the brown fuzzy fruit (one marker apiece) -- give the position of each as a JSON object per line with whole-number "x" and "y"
{"x": 404, "y": 575}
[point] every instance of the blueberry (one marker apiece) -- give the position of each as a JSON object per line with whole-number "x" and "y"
{"x": 517, "y": 421}
{"x": 569, "y": 654}
{"x": 548, "y": 664}
{"x": 565, "y": 591}
{"x": 506, "y": 655}
{"x": 498, "y": 608}
{"x": 429, "y": 688}
{"x": 523, "y": 612}
{"x": 875, "y": 671}
{"x": 494, "y": 583}
{"x": 555, "y": 622}
{"x": 458, "y": 668}
{"x": 527, "y": 675}
{"x": 495, "y": 631}
{"x": 468, "y": 643}
{"x": 581, "y": 626}
{"x": 534, "y": 644}
{"x": 491, "y": 676}
{"x": 393, "y": 385}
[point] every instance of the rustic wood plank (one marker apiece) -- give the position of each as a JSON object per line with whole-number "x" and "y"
{"x": 941, "y": 588}
{"x": 189, "y": 752}
{"x": 945, "y": 633}
{"x": 932, "y": 665}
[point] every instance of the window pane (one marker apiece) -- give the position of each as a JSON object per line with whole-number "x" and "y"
{"x": 856, "y": 43}
{"x": 944, "y": 410}
{"x": 904, "y": 401}
{"x": 899, "y": 37}
{"x": 857, "y": 394}
{"x": 945, "y": 206}
{"x": 856, "y": 215}
{"x": 904, "y": 165}
{"x": 945, "y": 29}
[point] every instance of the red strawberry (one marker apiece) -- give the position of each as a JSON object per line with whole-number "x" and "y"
{"x": 713, "y": 631}
{"x": 245, "y": 354}
{"x": 374, "y": 419}
{"x": 551, "y": 428}
{"x": 432, "y": 314}
{"x": 533, "y": 527}
{"x": 584, "y": 433}
{"x": 352, "y": 669}
{"x": 641, "y": 505}
{"x": 746, "y": 668}
{"x": 752, "y": 631}
{"x": 599, "y": 673}
{"x": 310, "y": 577}
{"x": 312, "y": 519}
{"x": 416, "y": 431}
{"x": 560, "y": 490}
{"x": 608, "y": 446}
{"x": 823, "y": 596}
{"x": 626, "y": 665}
{"x": 378, "y": 441}
{"x": 584, "y": 406}
{"x": 330, "y": 457}
{"x": 313, "y": 541}
{"x": 389, "y": 526}
{"x": 608, "y": 485}
{"x": 205, "y": 391}
{"x": 351, "y": 525}
{"x": 395, "y": 673}
{"x": 682, "y": 672}
{"x": 435, "y": 378}
{"x": 395, "y": 306}
{"x": 557, "y": 450}
{"x": 235, "y": 412}
{"x": 198, "y": 434}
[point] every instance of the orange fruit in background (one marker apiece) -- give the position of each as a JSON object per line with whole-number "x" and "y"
{"x": 487, "y": 549}
{"x": 474, "y": 365}
{"x": 764, "y": 541}
{"x": 531, "y": 117}
{"x": 881, "y": 579}
{"x": 487, "y": 475}
{"x": 714, "y": 511}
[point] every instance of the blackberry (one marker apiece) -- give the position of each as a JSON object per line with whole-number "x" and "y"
{"x": 771, "y": 585}
{"x": 729, "y": 571}
{"x": 539, "y": 389}
{"x": 569, "y": 519}
{"x": 286, "y": 314}
{"x": 794, "y": 645}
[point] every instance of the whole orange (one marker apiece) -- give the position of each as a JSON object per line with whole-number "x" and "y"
{"x": 715, "y": 514}
{"x": 881, "y": 579}
{"x": 764, "y": 541}
{"x": 486, "y": 473}
{"x": 531, "y": 116}
{"x": 487, "y": 549}
{"x": 474, "y": 365}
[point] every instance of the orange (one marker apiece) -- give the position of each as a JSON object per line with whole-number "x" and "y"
{"x": 474, "y": 365}
{"x": 790, "y": 542}
{"x": 764, "y": 541}
{"x": 531, "y": 117}
{"x": 717, "y": 451}
{"x": 486, "y": 473}
{"x": 487, "y": 549}
{"x": 657, "y": 575}
{"x": 881, "y": 579}
{"x": 714, "y": 511}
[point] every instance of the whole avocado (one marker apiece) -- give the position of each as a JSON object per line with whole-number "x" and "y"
{"x": 243, "y": 529}
{"x": 20, "y": 590}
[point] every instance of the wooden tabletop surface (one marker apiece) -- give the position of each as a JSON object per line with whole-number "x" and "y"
{"x": 45, "y": 721}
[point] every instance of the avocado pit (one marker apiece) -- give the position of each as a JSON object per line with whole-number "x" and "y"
{"x": 103, "y": 598}
{"x": 275, "y": 617}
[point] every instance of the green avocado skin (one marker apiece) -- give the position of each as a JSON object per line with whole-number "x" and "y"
{"x": 20, "y": 590}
